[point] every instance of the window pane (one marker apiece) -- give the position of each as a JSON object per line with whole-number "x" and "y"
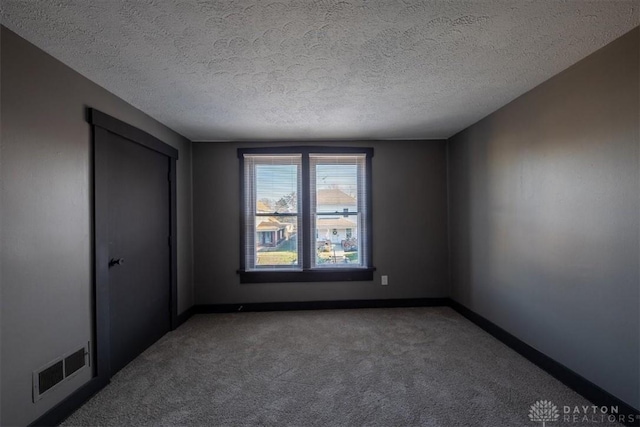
{"x": 338, "y": 209}
{"x": 272, "y": 188}
{"x": 337, "y": 242}
{"x": 276, "y": 241}
{"x": 276, "y": 188}
{"x": 336, "y": 187}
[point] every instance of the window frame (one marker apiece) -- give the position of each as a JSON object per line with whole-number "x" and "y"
{"x": 254, "y": 202}
{"x": 306, "y": 273}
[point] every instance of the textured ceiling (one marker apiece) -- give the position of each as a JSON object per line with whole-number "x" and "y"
{"x": 314, "y": 69}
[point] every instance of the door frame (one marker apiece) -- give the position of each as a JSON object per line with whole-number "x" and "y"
{"x": 102, "y": 124}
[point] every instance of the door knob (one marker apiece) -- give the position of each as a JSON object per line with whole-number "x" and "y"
{"x": 116, "y": 261}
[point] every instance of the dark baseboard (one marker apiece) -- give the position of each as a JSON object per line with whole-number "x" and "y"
{"x": 322, "y": 305}
{"x": 68, "y": 406}
{"x": 571, "y": 379}
{"x": 184, "y": 316}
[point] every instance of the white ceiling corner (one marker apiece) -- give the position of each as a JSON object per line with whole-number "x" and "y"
{"x": 319, "y": 69}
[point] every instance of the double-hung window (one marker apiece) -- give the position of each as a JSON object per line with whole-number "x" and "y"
{"x": 306, "y": 214}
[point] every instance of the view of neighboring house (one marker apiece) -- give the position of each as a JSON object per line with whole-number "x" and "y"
{"x": 334, "y": 200}
{"x": 271, "y": 232}
{"x": 262, "y": 207}
{"x": 335, "y": 229}
{"x": 340, "y": 227}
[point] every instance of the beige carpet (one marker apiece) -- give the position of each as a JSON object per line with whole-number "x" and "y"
{"x": 377, "y": 367}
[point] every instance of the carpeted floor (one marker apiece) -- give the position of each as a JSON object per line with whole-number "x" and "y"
{"x": 378, "y": 367}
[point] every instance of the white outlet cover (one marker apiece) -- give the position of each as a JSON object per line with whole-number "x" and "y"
{"x": 385, "y": 280}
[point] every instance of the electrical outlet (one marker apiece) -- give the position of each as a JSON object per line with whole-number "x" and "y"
{"x": 385, "y": 280}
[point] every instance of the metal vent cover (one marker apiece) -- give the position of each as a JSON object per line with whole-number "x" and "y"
{"x": 48, "y": 377}
{"x": 58, "y": 370}
{"x": 74, "y": 362}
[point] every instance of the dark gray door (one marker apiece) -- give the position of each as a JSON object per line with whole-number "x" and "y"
{"x": 139, "y": 248}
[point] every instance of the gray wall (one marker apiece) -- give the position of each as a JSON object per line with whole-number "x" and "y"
{"x": 409, "y": 227}
{"x": 544, "y": 212}
{"x": 46, "y": 273}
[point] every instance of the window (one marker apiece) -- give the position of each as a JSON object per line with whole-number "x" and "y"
{"x": 306, "y": 214}
{"x": 271, "y": 200}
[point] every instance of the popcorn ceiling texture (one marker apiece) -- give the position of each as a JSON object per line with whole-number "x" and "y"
{"x": 303, "y": 69}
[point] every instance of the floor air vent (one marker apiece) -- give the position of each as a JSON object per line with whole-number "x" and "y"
{"x": 58, "y": 370}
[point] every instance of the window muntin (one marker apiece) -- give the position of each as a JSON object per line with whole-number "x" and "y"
{"x": 297, "y": 248}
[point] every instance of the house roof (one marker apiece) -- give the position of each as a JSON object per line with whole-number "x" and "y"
{"x": 263, "y": 207}
{"x": 338, "y": 223}
{"x": 334, "y": 196}
{"x": 270, "y": 224}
